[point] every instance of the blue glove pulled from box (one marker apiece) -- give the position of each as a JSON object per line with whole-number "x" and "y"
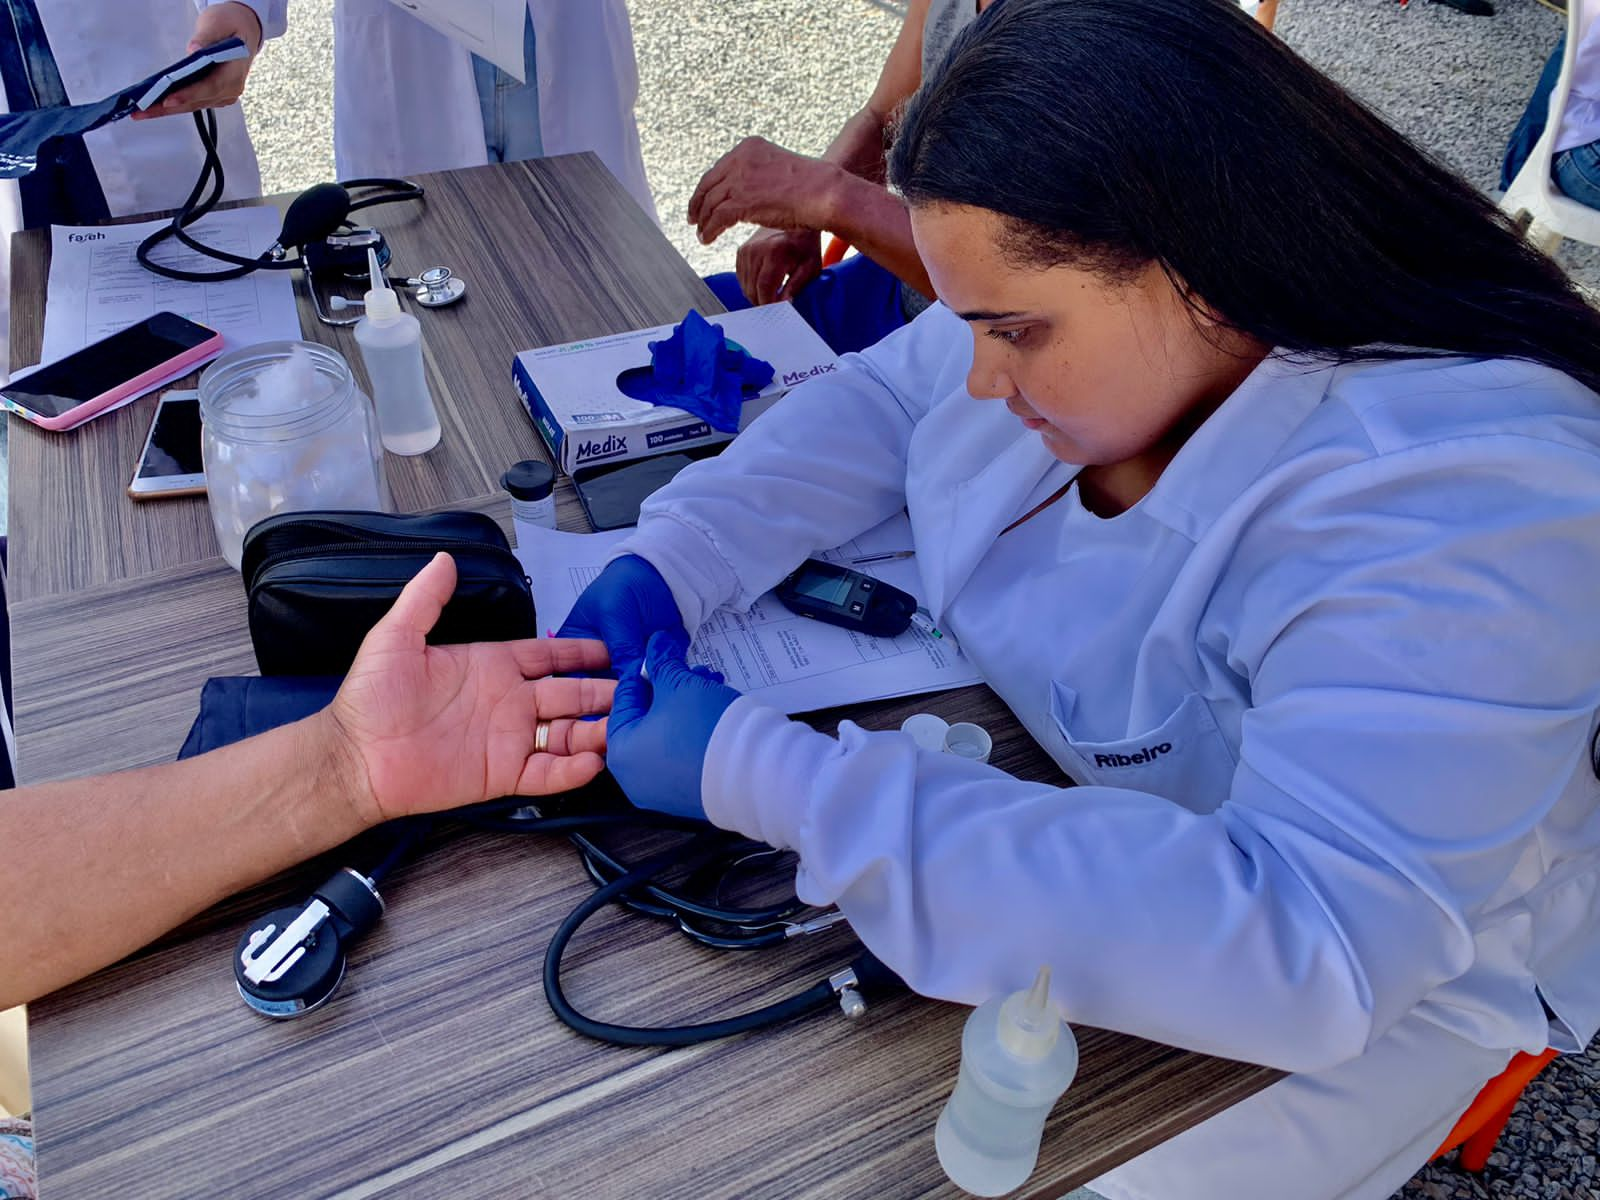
{"x": 698, "y": 370}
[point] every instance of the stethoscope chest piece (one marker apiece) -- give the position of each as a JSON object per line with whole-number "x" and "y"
{"x": 437, "y": 287}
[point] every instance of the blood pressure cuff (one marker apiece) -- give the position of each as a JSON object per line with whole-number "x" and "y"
{"x": 318, "y": 581}
{"x": 28, "y": 135}
{"x": 234, "y": 707}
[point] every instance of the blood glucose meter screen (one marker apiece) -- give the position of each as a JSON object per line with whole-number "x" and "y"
{"x": 175, "y": 442}
{"x": 821, "y": 587}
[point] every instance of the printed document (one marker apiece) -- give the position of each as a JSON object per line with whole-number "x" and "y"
{"x": 491, "y": 29}
{"x": 791, "y": 662}
{"x": 98, "y": 287}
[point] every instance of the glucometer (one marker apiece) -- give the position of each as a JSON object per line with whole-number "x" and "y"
{"x": 837, "y": 595}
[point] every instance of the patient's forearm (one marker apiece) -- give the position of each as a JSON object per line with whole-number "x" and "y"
{"x": 92, "y": 869}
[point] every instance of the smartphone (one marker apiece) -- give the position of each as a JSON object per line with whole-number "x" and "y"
{"x": 170, "y": 464}
{"x": 70, "y": 390}
{"x": 837, "y": 595}
{"x": 611, "y": 494}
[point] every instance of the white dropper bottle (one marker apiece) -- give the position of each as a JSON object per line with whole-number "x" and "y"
{"x": 1017, "y": 1057}
{"x": 391, "y": 347}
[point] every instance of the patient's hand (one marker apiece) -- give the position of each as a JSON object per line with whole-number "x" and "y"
{"x": 424, "y": 728}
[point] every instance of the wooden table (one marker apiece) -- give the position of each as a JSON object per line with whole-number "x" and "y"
{"x": 438, "y": 1070}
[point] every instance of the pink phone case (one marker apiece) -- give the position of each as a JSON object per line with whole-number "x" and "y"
{"x": 89, "y": 408}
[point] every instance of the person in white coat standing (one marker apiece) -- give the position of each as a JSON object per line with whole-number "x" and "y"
{"x": 407, "y": 98}
{"x": 73, "y": 52}
{"x": 1255, "y": 462}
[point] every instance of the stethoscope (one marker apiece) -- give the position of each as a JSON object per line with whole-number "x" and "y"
{"x": 292, "y": 961}
{"x": 316, "y": 223}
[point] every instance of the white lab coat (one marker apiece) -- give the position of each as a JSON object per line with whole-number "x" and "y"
{"x": 143, "y": 166}
{"x": 405, "y": 100}
{"x": 1330, "y": 688}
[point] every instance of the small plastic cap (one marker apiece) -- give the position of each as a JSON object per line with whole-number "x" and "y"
{"x": 1029, "y": 1025}
{"x": 382, "y": 304}
{"x": 966, "y": 740}
{"x": 529, "y": 479}
{"x": 926, "y": 730}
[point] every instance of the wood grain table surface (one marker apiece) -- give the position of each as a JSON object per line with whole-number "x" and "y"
{"x": 438, "y": 1070}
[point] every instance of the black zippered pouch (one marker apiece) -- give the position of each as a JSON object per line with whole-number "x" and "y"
{"x": 317, "y": 582}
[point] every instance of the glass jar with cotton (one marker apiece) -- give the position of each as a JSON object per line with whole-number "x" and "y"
{"x": 284, "y": 428}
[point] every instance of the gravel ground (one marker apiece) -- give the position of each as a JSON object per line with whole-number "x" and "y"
{"x": 708, "y": 77}
{"x": 687, "y": 118}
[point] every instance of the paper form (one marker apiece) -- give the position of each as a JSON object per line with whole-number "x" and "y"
{"x": 791, "y": 662}
{"x": 97, "y": 286}
{"x": 491, "y": 29}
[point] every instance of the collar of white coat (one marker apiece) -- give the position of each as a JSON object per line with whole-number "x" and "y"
{"x": 1234, "y": 445}
{"x": 956, "y": 521}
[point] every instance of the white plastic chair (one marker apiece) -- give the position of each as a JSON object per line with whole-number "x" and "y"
{"x": 1264, "y": 11}
{"x": 1555, "y": 215}
{"x": 13, "y": 1062}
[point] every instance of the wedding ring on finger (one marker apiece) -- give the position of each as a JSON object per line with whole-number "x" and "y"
{"x": 541, "y": 737}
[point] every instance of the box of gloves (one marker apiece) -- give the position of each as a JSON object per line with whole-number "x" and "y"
{"x": 668, "y": 388}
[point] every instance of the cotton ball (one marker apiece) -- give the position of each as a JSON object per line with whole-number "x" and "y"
{"x": 288, "y": 385}
{"x": 312, "y": 457}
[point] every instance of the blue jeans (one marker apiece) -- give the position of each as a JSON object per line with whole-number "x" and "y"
{"x": 510, "y": 109}
{"x": 63, "y": 189}
{"x": 851, "y": 306}
{"x": 1533, "y": 119}
{"x": 1577, "y": 173}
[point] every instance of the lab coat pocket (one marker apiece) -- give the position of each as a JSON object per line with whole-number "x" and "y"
{"x": 1183, "y": 759}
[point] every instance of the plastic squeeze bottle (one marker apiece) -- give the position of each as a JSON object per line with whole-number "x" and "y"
{"x": 391, "y": 346}
{"x": 1017, "y": 1057}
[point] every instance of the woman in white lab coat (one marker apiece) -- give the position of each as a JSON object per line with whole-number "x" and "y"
{"x": 1275, "y": 519}
{"x": 406, "y": 101}
{"x": 150, "y": 164}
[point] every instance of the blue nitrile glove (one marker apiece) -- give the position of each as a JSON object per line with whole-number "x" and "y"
{"x": 660, "y": 728}
{"x": 697, "y": 369}
{"x": 623, "y": 607}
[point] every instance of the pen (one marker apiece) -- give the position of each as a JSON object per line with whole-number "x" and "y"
{"x": 872, "y": 558}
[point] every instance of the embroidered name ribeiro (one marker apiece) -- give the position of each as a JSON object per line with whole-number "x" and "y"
{"x": 1148, "y": 754}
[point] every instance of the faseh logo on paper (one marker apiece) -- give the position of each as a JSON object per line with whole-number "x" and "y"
{"x": 86, "y": 237}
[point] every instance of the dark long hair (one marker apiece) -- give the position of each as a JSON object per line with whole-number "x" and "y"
{"x": 1115, "y": 133}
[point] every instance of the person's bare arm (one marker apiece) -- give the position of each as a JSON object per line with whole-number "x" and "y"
{"x": 92, "y": 869}
{"x": 795, "y": 196}
{"x": 859, "y": 146}
{"x": 95, "y": 868}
